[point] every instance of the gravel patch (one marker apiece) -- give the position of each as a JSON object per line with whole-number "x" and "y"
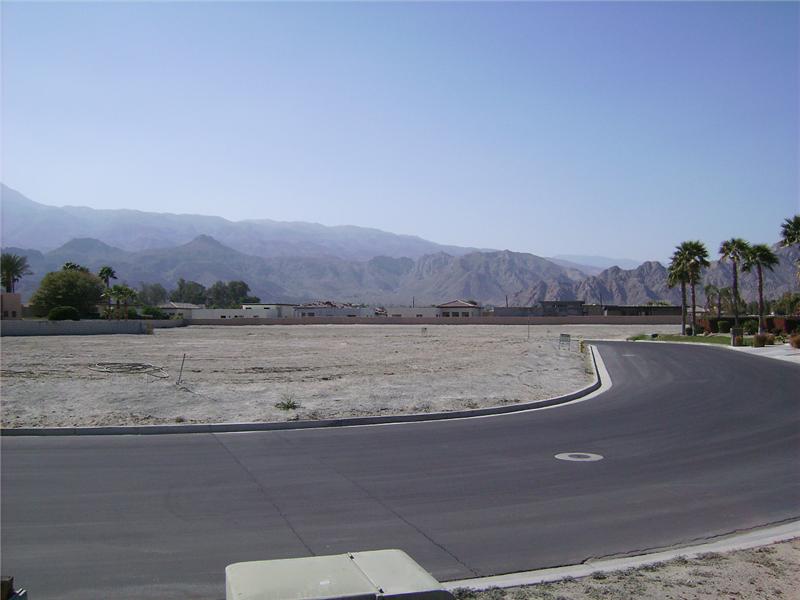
{"x": 279, "y": 373}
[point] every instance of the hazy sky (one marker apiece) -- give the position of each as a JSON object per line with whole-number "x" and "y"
{"x": 595, "y": 128}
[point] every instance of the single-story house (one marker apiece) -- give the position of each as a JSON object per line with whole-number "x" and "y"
{"x": 270, "y": 311}
{"x": 180, "y": 309}
{"x": 332, "y": 309}
{"x": 418, "y": 312}
{"x": 459, "y": 308}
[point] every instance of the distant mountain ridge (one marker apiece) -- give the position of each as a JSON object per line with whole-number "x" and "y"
{"x": 28, "y": 224}
{"x": 489, "y": 277}
{"x": 331, "y": 266}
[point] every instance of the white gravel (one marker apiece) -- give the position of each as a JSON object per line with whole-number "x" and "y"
{"x": 240, "y": 373}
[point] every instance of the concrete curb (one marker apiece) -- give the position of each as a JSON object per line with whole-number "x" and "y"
{"x": 324, "y": 423}
{"x": 736, "y": 541}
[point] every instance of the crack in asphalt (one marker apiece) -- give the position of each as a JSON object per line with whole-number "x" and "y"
{"x": 390, "y": 509}
{"x": 265, "y": 493}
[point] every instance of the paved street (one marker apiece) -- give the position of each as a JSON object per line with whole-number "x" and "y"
{"x": 696, "y": 442}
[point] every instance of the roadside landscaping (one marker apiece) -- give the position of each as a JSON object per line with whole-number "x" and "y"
{"x": 768, "y": 572}
{"x": 720, "y": 339}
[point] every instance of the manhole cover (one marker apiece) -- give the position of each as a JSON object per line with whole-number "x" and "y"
{"x": 579, "y": 456}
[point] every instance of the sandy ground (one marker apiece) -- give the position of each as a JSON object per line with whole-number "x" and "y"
{"x": 766, "y": 573}
{"x": 236, "y": 374}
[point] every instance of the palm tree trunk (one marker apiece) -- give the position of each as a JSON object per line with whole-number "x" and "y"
{"x": 116, "y": 312}
{"x": 761, "y": 325}
{"x": 683, "y": 308}
{"x": 694, "y": 313}
{"x": 735, "y": 295}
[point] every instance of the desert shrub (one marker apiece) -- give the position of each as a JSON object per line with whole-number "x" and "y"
{"x": 154, "y": 312}
{"x": 287, "y": 402}
{"x": 794, "y": 341}
{"x": 760, "y": 340}
{"x": 724, "y": 326}
{"x": 64, "y": 313}
{"x": 750, "y": 326}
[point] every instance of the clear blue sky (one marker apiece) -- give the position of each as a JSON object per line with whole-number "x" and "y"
{"x": 618, "y": 129}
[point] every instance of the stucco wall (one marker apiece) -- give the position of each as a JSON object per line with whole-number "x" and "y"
{"x": 660, "y": 320}
{"x": 88, "y": 327}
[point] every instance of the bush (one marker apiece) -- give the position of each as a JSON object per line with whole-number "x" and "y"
{"x": 689, "y": 330}
{"x": 64, "y": 313}
{"x": 79, "y": 289}
{"x": 760, "y": 340}
{"x": 738, "y": 341}
{"x": 750, "y": 326}
{"x": 794, "y": 341}
{"x": 154, "y": 312}
{"x": 770, "y": 339}
{"x": 724, "y": 326}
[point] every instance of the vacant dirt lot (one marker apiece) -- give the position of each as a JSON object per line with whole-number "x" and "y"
{"x": 766, "y": 573}
{"x": 309, "y": 371}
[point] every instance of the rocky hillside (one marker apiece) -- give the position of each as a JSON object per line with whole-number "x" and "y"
{"x": 487, "y": 277}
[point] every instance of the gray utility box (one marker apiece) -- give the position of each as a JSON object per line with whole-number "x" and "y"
{"x": 380, "y": 574}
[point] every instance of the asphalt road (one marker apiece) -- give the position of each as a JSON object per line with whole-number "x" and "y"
{"x": 697, "y": 442}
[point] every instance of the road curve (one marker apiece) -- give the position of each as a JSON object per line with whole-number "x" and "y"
{"x": 696, "y": 441}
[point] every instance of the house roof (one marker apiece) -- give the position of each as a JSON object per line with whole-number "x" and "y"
{"x": 185, "y": 305}
{"x": 458, "y": 304}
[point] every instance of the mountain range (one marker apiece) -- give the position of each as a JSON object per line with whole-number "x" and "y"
{"x": 290, "y": 262}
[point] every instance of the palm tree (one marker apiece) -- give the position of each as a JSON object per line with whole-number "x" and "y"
{"x": 71, "y": 266}
{"x": 678, "y": 273}
{"x": 761, "y": 257}
{"x": 117, "y": 293}
{"x": 696, "y": 256}
{"x": 734, "y": 250}
{"x": 128, "y": 295}
{"x": 790, "y": 236}
{"x": 12, "y": 268}
{"x": 790, "y": 231}
{"x": 106, "y": 273}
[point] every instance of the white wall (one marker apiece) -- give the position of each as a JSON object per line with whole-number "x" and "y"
{"x": 407, "y": 311}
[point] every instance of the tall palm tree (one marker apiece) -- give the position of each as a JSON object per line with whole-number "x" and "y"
{"x": 761, "y": 257}
{"x": 734, "y": 250}
{"x": 12, "y": 268}
{"x": 790, "y": 236}
{"x": 106, "y": 273}
{"x": 678, "y": 274}
{"x": 696, "y": 256}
